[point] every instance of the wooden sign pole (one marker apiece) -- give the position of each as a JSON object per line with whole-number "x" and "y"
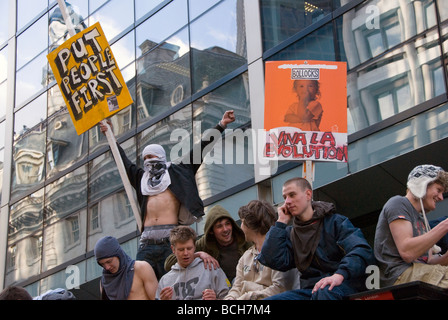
{"x": 308, "y": 171}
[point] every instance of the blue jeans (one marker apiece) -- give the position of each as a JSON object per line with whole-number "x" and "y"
{"x": 155, "y": 255}
{"x": 337, "y": 293}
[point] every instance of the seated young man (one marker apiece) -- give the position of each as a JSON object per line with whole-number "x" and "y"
{"x": 330, "y": 253}
{"x": 188, "y": 280}
{"x": 405, "y": 245}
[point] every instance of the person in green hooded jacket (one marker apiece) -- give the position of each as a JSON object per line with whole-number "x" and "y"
{"x": 222, "y": 244}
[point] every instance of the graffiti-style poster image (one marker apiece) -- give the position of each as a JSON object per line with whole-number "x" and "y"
{"x": 306, "y": 110}
{"x": 89, "y": 78}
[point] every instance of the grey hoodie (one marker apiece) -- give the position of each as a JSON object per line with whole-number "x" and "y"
{"x": 189, "y": 282}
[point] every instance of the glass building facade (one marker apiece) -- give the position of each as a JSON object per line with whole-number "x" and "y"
{"x": 185, "y": 62}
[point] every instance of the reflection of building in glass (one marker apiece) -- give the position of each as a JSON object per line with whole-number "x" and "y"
{"x": 61, "y": 192}
{"x": 404, "y": 77}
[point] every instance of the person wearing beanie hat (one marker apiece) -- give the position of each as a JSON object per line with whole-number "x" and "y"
{"x": 123, "y": 278}
{"x": 405, "y": 245}
{"x": 222, "y": 244}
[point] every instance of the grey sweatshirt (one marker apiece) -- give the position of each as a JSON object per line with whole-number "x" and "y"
{"x": 188, "y": 283}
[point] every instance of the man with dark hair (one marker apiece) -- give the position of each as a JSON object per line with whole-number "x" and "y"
{"x": 222, "y": 244}
{"x": 331, "y": 254}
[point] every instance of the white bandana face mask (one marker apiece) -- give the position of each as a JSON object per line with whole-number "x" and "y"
{"x": 156, "y": 169}
{"x": 156, "y": 178}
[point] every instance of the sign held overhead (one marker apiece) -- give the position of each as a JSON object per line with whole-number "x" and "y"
{"x": 89, "y": 78}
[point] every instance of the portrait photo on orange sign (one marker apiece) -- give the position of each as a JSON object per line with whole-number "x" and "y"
{"x": 308, "y": 100}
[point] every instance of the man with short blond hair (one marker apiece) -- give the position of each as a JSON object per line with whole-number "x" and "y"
{"x": 188, "y": 280}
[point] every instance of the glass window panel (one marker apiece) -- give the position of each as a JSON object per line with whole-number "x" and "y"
{"x": 386, "y": 104}
{"x": 393, "y": 34}
{"x": 399, "y": 139}
{"x": 104, "y": 177}
{"x": 170, "y": 134}
{"x": 161, "y": 25}
{"x": 282, "y": 19}
{"x": 163, "y": 79}
{"x": 197, "y": 7}
{"x": 443, "y": 9}
{"x": 32, "y": 78}
{"x": 218, "y": 41}
{"x": 3, "y": 64}
{"x": 25, "y": 217}
{"x": 375, "y": 44}
{"x": 230, "y": 162}
{"x": 64, "y": 240}
{"x": 24, "y": 238}
{"x": 28, "y": 10}
{"x": 404, "y": 101}
{"x": 124, "y": 50}
{"x": 439, "y": 81}
{"x": 64, "y": 146}
{"x": 112, "y": 215}
{"x": 444, "y": 32}
{"x": 407, "y": 74}
{"x": 66, "y": 195}
{"x": 23, "y": 259}
{"x": 115, "y": 17}
{"x": 234, "y": 95}
{"x": 3, "y": 98}
{"x": 142, "y": 7}
{"x": 93, "y": 270}
{"x": 4, "y": 21}
{"x": 32, "y": 41}
{"x": 430, "y": 14}
{"x": 388, "y": 22}
{"x": 2, "y": 153}
{"x": 28, "y": 168}
{"x": 108, "y": 202}
{"x": 33, "y": 289}
{"x": 318, "y": 45}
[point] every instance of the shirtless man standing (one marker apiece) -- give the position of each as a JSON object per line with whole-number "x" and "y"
{"x": 123, "y": 278}
{"x": 167, "y": 193}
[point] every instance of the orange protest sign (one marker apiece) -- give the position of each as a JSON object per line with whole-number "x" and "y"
{"x": 306, "y": 110}
{"x": 89, "y": 78}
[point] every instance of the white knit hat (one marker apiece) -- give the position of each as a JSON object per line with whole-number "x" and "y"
{"x": 420, "y": 177}
{"x": 418, "y": 181}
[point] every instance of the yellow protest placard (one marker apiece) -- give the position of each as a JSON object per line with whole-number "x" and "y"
{"x": 89, "y": 78}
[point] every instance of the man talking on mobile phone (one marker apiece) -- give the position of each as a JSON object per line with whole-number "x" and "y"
{"x": 330, "y": 253}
